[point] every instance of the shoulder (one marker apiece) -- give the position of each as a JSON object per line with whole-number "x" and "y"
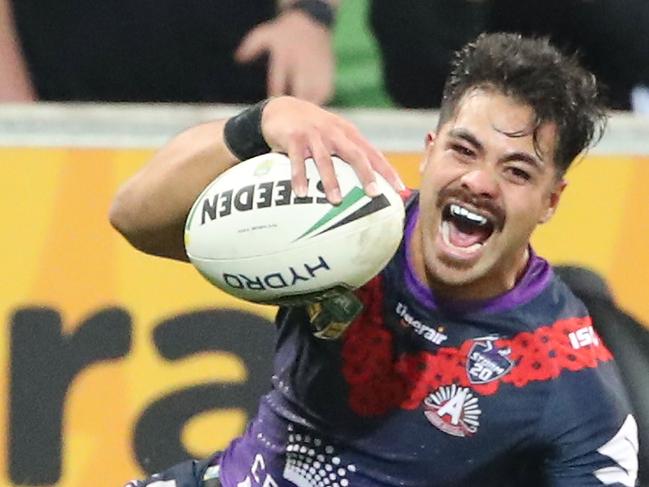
{"x": 550, "y": 308}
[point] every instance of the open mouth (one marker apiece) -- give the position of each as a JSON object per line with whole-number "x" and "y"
{"x": 465, "y": 228}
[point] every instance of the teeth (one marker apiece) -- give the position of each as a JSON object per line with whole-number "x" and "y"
{"x": 458, "y": 210}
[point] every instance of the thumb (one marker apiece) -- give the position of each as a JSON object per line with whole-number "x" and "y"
{"x": 253, "y": 45}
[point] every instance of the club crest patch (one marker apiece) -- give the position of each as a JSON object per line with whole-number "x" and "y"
{"x": 454, "y": 410}
{"x": 487, "y": 362}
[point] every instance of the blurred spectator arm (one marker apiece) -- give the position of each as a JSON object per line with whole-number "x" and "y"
{"x": 301, "y": 59}
{"x": 15, "y": 85}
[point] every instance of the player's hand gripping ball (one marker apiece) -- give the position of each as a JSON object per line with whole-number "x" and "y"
{"x": 252, "y": 237}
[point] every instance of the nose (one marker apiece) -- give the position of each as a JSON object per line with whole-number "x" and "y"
{"x": 480, "y": 182}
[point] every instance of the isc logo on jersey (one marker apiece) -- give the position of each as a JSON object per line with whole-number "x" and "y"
{"x": 249, "y": 234}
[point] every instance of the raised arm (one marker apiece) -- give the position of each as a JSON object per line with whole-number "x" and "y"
{"x": 151, "y": 207}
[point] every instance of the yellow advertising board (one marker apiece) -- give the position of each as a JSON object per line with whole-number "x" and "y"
{"x": 117, "y": 363}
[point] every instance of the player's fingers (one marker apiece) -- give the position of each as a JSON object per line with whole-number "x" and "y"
{"x": 322, "y": 156}
{"x": 254, "y": 44}
{"x": 297, "y": 153}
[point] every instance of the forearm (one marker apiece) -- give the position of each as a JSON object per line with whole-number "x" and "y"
{"x": 151, "y": 207}
{"x": 15, "y": 83}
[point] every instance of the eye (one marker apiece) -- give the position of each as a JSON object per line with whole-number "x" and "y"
{"x": 462, "y": 150}
{"x": 518, "y": 174}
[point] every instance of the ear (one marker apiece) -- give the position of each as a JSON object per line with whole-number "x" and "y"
{"x": 429, "y": 142}
{"x": 553, "y": 200}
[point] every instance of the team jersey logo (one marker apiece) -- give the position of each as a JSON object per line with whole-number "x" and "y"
{"x": 487, "y": 362}
{"x": 454, "y": 410}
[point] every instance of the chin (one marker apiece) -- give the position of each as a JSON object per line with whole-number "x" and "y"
{"x": 453, "y": 274}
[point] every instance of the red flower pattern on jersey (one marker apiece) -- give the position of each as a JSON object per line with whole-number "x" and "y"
{"x": 380, "y": 381}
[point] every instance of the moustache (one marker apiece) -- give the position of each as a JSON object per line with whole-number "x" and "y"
{"x": 486, "y": 205}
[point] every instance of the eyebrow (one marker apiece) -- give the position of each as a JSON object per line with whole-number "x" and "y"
{"x": 467, "y": 136}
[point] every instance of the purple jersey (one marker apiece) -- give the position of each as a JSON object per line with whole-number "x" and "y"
{"x": 508, "y": 391}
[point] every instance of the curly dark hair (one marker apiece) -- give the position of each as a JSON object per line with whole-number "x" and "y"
{"x": 536, "y": 73}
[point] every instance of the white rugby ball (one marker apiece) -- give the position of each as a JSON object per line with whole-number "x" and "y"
{"x": 251, "y": 236}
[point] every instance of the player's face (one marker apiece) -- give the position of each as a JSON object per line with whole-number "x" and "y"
{"x": 485, "y": 187}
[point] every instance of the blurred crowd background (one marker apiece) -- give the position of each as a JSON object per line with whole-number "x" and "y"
{"x": 338, "y": 52}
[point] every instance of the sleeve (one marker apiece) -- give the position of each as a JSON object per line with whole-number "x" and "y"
{"x": 590, "y": 432}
